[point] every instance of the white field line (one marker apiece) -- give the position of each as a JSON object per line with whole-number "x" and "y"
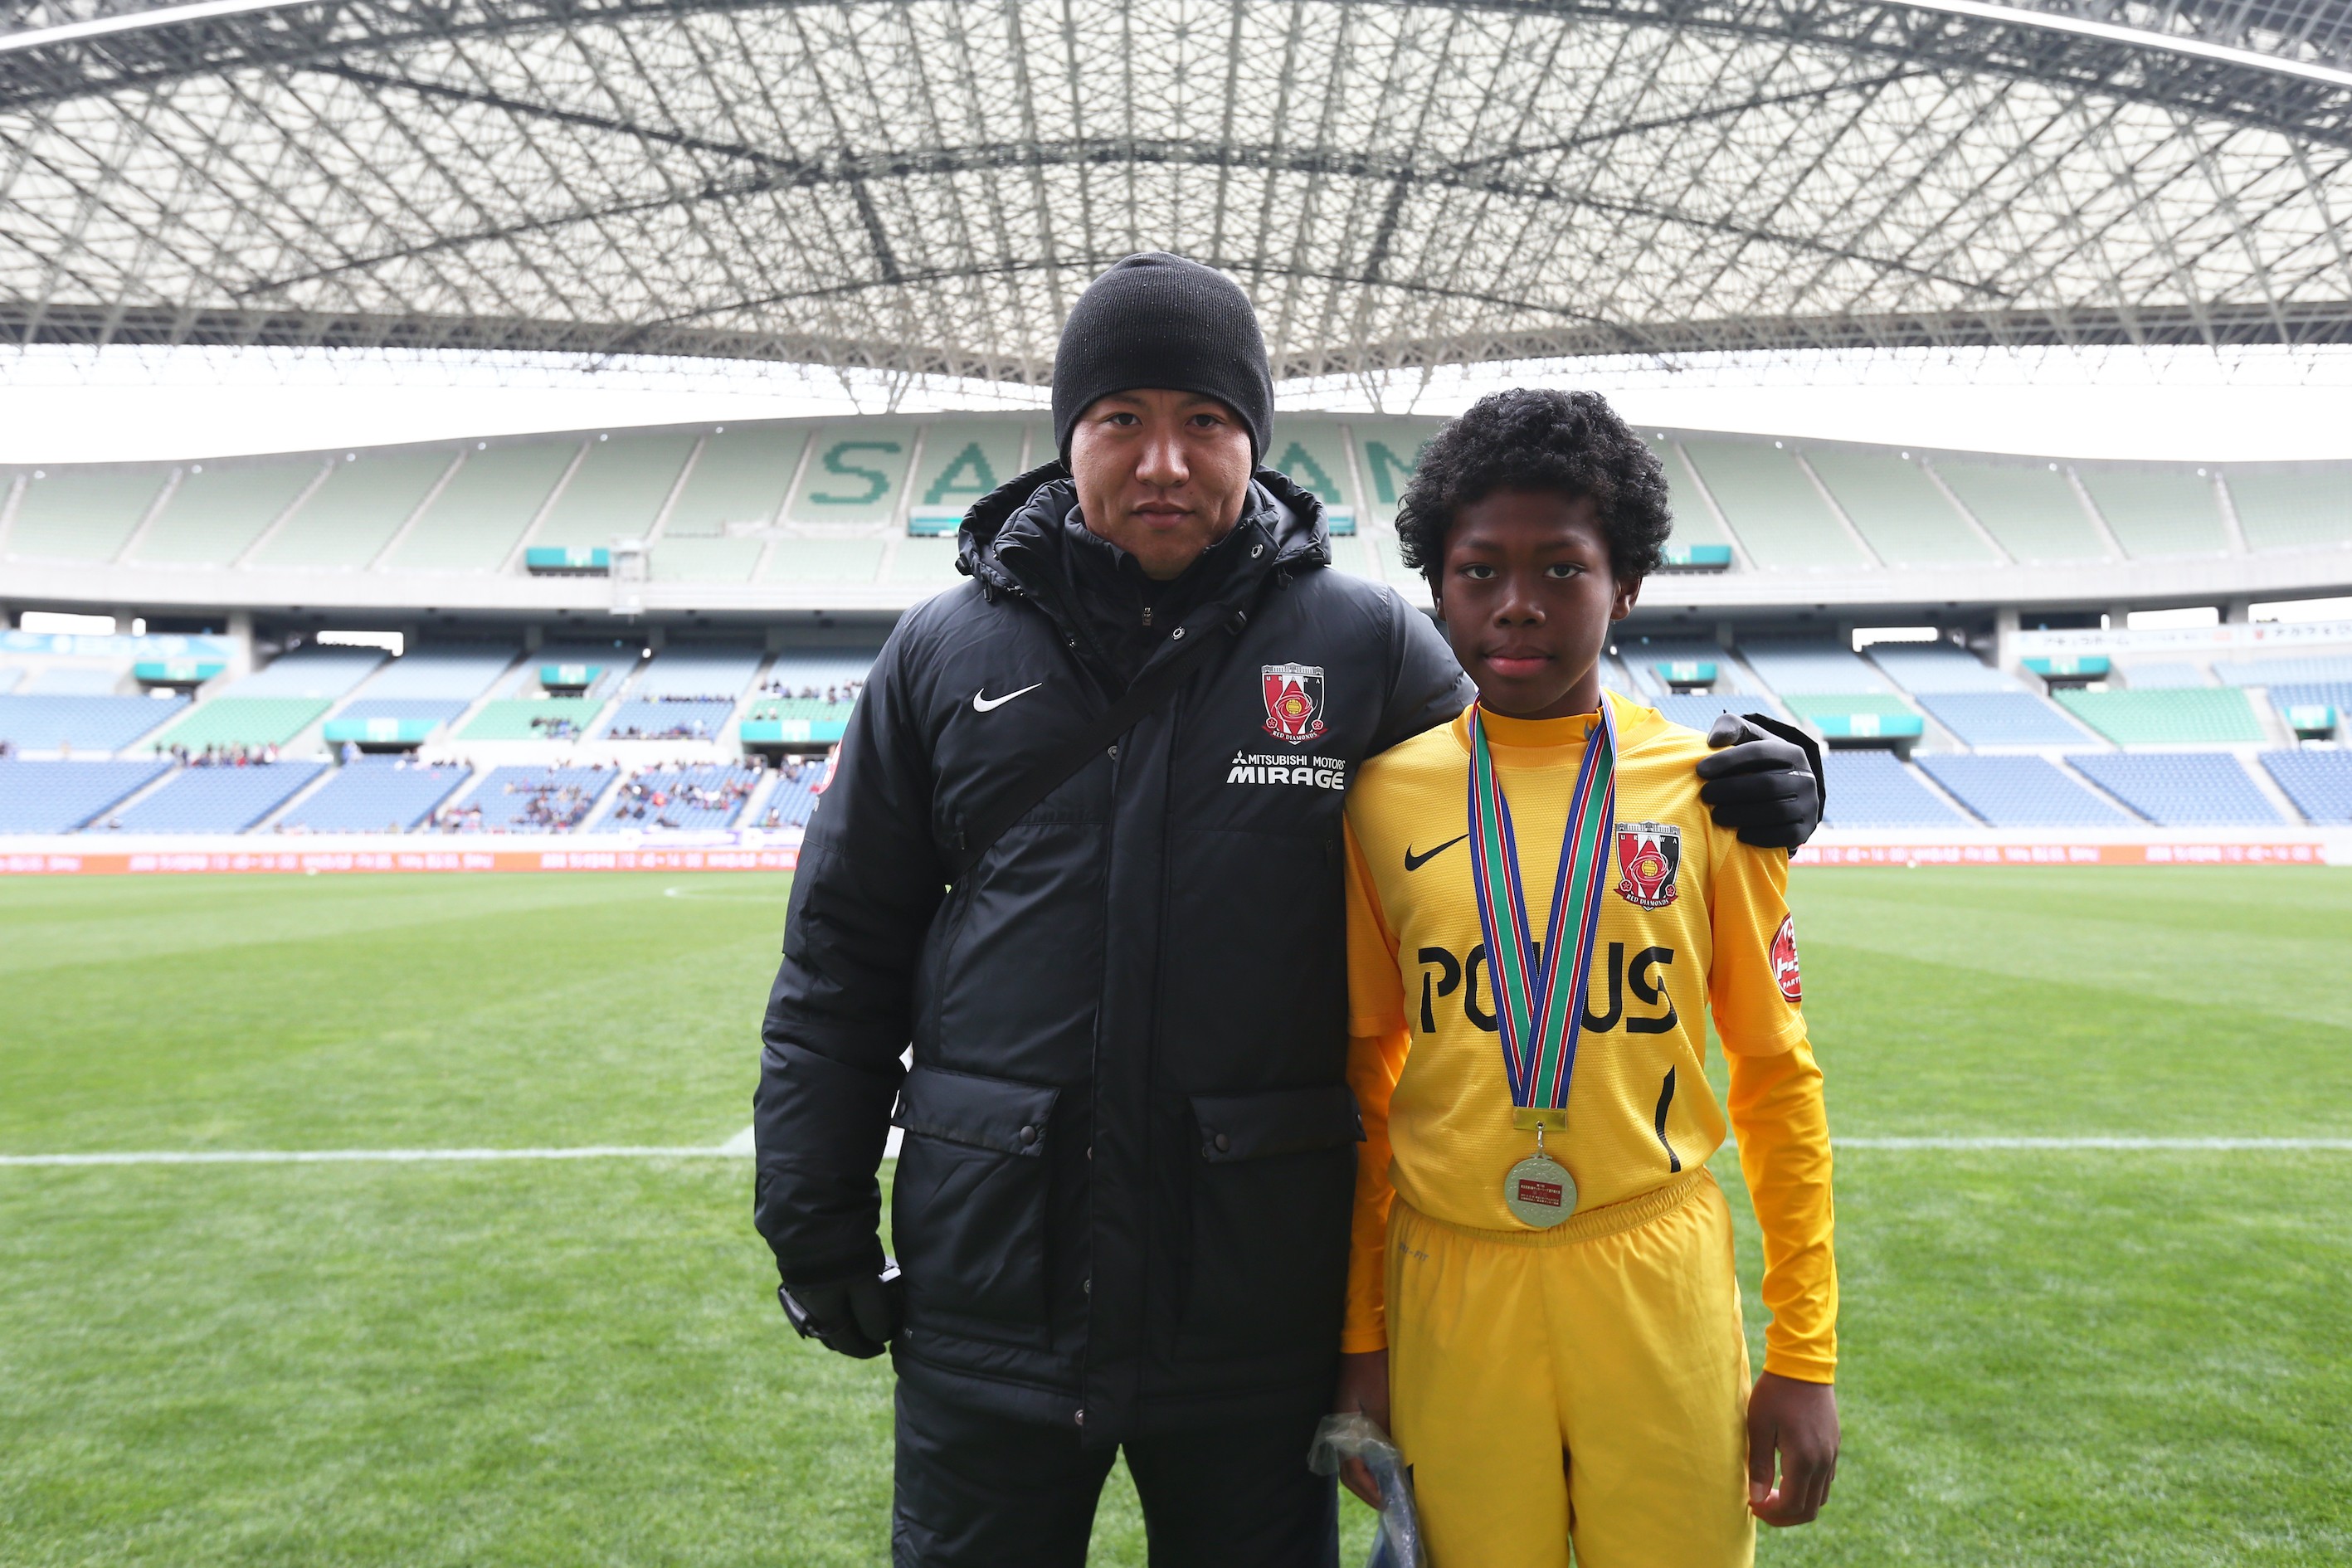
{"x": 2191, "y": 1145}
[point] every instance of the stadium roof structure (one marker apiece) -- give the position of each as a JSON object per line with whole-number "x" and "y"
{"x": 923, "y": 186}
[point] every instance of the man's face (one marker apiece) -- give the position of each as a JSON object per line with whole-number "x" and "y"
{"x": 1162, "y": 475}
{"x": 1527, "y": 596}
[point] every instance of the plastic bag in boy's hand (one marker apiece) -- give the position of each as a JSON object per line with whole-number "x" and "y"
{"x": 1356, "y": 1435}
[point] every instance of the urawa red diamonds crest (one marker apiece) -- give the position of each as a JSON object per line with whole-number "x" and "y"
{"x": 1784, "y": 960}
{"x": 1294, "y": 702}
{"x": 1648, "y": 856}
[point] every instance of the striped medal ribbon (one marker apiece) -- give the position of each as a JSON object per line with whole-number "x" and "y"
{"x": 1539, "y": 999}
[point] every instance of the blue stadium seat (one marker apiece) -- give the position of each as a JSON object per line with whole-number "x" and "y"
{"x": 686, "y": 800}
{"x": 434, "y": 710}
{"x": 1873, "y": 789}
{"x": 2020, "y": 792}
{"x": 669, "y": 718}
{"x": 692, "y": 671}
{"x": 216, "y": 799}
{"x": 2181, "y": 789}
{"x": 1811, "y": 667}
{"x": 34, "y": 723}
{"x": 1697, "y": 710}
{"x": 2319, "y": 783}
{"x": 374, "y": 797}
{"x": 2336, "y": 694}
{"x": 2281, "y": 671}
{"x": 58, "y": 797}
{"x": 794, "y": 799}
{"x": 528, "y": 800}
{"x": 1921, "y": 668}
{"x": 2163, "y": 675}
{"x": 2002, "y": 719}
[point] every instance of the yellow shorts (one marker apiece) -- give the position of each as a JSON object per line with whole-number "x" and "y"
{"x": 1587, "y": 1383}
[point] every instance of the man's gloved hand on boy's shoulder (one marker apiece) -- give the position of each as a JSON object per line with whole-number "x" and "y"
{"x": 1763, "y": 781}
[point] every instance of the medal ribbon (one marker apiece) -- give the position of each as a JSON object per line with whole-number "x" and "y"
{"x": 1539, "y": 1001}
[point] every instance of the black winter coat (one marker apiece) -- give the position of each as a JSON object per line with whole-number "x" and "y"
{"x": 1124, "y": 1193}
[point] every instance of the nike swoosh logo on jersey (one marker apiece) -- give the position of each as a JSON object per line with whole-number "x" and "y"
{"x": 1413, "y": 862}
{"x": 983, "y": 703}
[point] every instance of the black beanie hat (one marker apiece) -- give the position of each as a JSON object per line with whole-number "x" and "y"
{"x": 1159, "y": 321}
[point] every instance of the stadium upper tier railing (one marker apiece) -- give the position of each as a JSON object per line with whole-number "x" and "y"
{"x": 861, "y": 514}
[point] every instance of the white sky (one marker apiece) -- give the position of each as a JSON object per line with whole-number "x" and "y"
{"x": 62, "y": 406}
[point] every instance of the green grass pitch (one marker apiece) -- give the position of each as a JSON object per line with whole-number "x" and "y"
{"x": 2051, "y": 1357}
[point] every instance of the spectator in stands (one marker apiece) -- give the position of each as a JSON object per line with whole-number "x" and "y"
{"x": 1132, "y": 1039}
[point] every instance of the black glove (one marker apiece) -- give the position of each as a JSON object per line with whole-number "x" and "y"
{"x": 856, "y": 1317}
{"x": 1764, "y": 780}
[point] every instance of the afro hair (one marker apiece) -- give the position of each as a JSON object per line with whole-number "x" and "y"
{"x": 1530, "y": 440}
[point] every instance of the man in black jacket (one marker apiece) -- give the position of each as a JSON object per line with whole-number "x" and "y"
{"x": 1122, "y": 1204}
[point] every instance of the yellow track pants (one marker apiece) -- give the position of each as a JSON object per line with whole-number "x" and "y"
{"x": 1586, "y": 1384}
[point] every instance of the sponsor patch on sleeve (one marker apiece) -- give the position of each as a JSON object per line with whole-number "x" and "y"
{"x": 1784, "y": 960}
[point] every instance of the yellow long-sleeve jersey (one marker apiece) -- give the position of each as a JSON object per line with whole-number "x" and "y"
{"x": 1692, "y": 922}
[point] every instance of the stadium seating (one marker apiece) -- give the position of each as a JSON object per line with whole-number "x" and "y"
{"x": 58, "y": 797}
{"x": 2336, "y": 694}
{"x": 1922, "y": 668}
{"x": 2181, "y": 789}
{"x": 2283, "y": 671}
{"x": 434, "y": 682}
{"x": 1771, "y": 505}
{"x": 372, "y": 797}
{"x": 686, "y": 800}
{"x": 855, "y": 473}
{"x": 695, "y": 670}
{"x": 2156, "y": 511}
{"x": 795, "y": 796}
{"x": 323, "y": 672}
{"x": 2319, "y": 783}
{"x": 2293, "y": 508}
{"x": 1312, "y": 452}
{"x": 821, "y": 561}
{"x": 669, "y": 718}
{"x": 219, "y": 509}
{"x": 32, "y": 722}
{"x": 2163, "y": 675}
{"x": 528, "y": 800}
{"x": 1694, "y": 520}
{"x": 252, "y": 723}
{"x": 2028, "y": 506}
{"x": 2206, "y": 713}
{"x": 73, "y": 683}
{"x": 699, "y": 560}
{"x": 1897, "y": 508}
{"x": 215, "y": 799}
{"x": 9, "y": 676}
{"x": 83, "y": 514}
{"x": 346, "y": 522}
{"x": 739, "y": 481}
{"x": 479, "y": 518}
{"x": 1391, "y": 450}
{"x": 617, "y": 491}
{"x": 1798, "y": 667}
{"x": 931, "y": 561}
{"x": 2019, "y": 791}
{"x": 1873, "y": 789}
{"x": 2002, "y": 719}
{"x": 533, "y": 718}
{"x": 961, "y": 461}
{"x": 1697, "y": 710}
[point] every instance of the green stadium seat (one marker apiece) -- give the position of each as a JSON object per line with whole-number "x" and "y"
{"x": 479, "y": 518}
{"x": 532, "y": 719}
{"x": 2191, "y": 714}
{"x": 220, "y": 508}
{"x": 1897, "y": 508}
{"x": 618, "y": 492}
{"x": 1390, "y": 450}
{"x": 2157, "y": 511}
{"x": 824, "y": 561}
{"x": 856, "y": 473}
{"x": 1694, "y": 524}
{"x": 925, "y": 561}
{"x": 1313, "y": 454}
{"x": 962, "y": 461}
{"x": 695, "y": 560}
{"x": 2293, "y": 508}
{"x": 83, "y": 514}
{"x": 739, "y": 481}
{"x": 248, "y": 721}
{"x": 346, "y": 522}
{"x": 1779, "y": 515}
{"x": 2029, "y": 506}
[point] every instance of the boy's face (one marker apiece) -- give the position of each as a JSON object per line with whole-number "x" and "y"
{"x": 1527, "y": 596}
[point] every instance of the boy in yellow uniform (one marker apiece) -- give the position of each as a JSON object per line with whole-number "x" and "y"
{"x": 1541, "y": 1297}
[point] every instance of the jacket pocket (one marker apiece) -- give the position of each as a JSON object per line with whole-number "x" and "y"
{"x": 1271, "y": 1199}
{"x": 967, "y": 1207}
